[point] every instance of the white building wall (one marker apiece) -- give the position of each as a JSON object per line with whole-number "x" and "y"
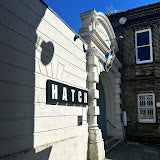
{"x": 32, "y": 36}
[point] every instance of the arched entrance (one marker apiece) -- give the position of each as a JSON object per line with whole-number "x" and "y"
{"x": 101, "y": 102}
{"x": 98, "y": 33}
{"x": 106, "y": 103}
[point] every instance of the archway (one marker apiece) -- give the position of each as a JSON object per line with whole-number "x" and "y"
{"x": 98, "y": 33}
{"x": 106, "y": 104}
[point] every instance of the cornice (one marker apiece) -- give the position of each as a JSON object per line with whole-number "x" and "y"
{"x": 96, "y": 38}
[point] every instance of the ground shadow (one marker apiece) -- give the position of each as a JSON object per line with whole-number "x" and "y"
{"x": 134, "y": 151}
{"x": 42, "y": 155}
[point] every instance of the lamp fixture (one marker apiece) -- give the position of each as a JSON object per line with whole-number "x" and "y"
{"x": 76, "y": 37}
{"x": 84, "y": 49}
{"x": 120, "y": 37}
{"x": 122, "y": 20}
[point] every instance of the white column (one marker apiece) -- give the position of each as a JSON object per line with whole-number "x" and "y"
{"x": 96, "y": 144}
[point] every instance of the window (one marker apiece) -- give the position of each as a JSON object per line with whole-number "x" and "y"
{"x": 143, "y": 44}
{"x": 146, "y": 108}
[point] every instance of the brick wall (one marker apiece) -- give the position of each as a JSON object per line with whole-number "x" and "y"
{"x": 138, "y": 78}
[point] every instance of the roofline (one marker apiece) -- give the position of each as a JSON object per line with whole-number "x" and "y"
{"x": 62, "y": 20}
{"x": 136, "y": 8}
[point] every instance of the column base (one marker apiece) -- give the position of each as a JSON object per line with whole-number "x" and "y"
{"x": 96, "y": 144}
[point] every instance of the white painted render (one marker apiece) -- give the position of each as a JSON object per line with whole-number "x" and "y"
{"x": 36, "y": 46}
{"x": 29, "y": 31}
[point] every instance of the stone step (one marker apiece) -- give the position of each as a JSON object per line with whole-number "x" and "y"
{"x": 108, "y": 139}
{"x": 110, "y": 143}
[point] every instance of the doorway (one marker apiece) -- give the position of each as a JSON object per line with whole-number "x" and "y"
{"x": 101, "y": 102}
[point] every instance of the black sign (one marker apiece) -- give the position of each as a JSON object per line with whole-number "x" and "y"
{"x": 61, "y": 93}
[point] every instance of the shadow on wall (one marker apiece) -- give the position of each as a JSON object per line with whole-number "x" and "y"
{"x": 47, "y": 52}
{"x": 18, "y": 25}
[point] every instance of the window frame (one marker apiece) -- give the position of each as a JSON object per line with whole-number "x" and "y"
{"x": 154, "y": 109}
{"x": 150, "y": 45}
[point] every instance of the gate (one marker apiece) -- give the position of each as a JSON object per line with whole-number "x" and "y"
{"x": 101, "y": 102}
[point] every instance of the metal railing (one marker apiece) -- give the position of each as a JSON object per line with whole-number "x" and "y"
{"x": 111, "y": 124}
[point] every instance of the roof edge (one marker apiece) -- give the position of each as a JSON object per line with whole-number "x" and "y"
{"x": 136, "y": 8}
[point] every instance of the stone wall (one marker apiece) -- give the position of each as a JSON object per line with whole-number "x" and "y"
{"x": 138, "y": 78}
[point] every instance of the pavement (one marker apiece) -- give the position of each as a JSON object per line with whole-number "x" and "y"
{"x": 134, "y": 151}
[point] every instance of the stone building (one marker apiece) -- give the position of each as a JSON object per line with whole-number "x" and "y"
{"x": 46, "y": 72}
{"x": 139, "y": 53}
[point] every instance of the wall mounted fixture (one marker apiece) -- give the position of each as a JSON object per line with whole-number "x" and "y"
{"x": 122, "y": 20}
{"x": 76, "y": 37}
{"x": 84, "y": 49}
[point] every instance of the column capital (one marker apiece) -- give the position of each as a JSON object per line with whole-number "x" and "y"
{"x": 92, "y": 51}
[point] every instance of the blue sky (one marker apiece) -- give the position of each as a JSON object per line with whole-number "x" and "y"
{"x": 69, "y": 10}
